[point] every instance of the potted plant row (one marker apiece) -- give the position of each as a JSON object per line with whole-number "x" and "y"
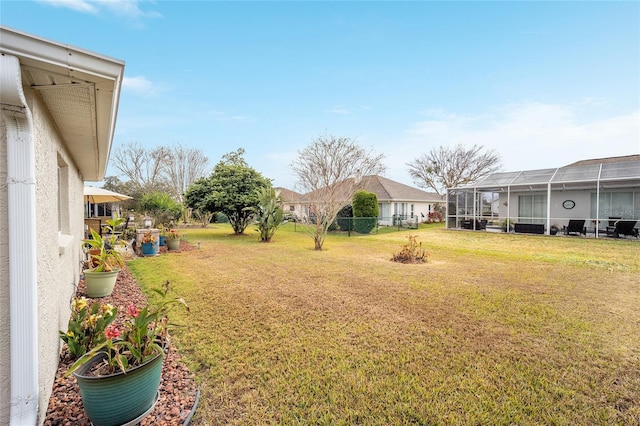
{"x": 105, "y": 260}
{"x": 118, "y": 367}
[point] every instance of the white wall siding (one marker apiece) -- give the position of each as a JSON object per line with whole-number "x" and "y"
{"x": 58, "y": 267}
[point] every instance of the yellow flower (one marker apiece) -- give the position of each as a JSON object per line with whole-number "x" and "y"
{"x": 78, "y": 304}
{"x": 107, "y": 309}
{"x": 70, "y": 333}
{"x": 93, "y": 319}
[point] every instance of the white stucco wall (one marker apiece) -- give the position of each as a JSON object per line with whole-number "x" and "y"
{"x": 5, "y": 338}
{"x": 58, "y": 270}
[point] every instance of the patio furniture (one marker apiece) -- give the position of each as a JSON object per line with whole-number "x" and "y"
{"x": 575, "y": 227}
{"x": 623, "y": 227}
{"x": 528, "y": 228}
{"x": 480, "y": 224}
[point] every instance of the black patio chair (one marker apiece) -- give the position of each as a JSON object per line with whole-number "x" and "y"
{"x": 625, "y": 227}
{"x": 575, "y": 227}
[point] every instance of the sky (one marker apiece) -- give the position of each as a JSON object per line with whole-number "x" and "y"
{"x": 544, "y": 83}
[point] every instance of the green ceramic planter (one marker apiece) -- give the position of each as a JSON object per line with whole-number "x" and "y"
{"x": 100, "y": 284}
{"x": 119, "y": 398}
{"x": 173, "y": 244}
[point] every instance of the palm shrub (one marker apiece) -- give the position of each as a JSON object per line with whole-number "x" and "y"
{"x": 268, "y": 213}
{"x": 365, "y": 211}
{"x": 161, "y": 206}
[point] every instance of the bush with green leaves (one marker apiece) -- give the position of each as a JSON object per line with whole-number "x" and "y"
{"x": 365, "y": 211}
{"x": 345, "y": 218}
{"x": 161, "y": 206}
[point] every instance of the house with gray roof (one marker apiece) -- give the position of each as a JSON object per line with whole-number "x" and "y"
{"x": 592, "y": 194}
{"x": 397, "y": 201}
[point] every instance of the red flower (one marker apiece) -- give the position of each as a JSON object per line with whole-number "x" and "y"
{"x": 112, "y": 332}
{"x": 133, "y": 311}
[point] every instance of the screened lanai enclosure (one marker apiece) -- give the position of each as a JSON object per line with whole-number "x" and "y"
{"x": 590, "y": 198}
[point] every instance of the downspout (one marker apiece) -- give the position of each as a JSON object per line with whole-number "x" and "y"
{"x": 23, "y": 281}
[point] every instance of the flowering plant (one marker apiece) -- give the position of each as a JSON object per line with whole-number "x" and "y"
{"x": 87, "y": 326}
{"x": 173, "y": 235}
{"x": 138, "y": 340}
{"x": 148, "y": 237}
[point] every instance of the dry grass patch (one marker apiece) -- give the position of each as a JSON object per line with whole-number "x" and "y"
{"x": 495, "y": 330}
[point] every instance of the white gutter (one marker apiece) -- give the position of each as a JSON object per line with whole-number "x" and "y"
{"x": 23, "y": 281}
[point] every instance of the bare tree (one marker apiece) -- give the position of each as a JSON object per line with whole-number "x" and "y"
{"x": 160, "y": 169}
{"x": 446, "y": 167}
{"x": 330, "y": 171}
{"x": 143, "y": 167}
{"x": 184, "y": 166}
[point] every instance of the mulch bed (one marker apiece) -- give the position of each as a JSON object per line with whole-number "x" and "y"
{"x": 178, "y": 389}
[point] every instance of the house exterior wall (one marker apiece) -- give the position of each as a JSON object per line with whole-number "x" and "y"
{"x": 59, "y": 201}
{"x": 58, "y": 261}
{"x": 420, "y": 210}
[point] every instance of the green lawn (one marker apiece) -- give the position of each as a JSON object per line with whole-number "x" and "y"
{"x": 495, "y": 329}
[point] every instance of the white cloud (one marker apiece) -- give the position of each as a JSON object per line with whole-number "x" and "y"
{"x": 138, "y": 85}
{"x": 340, "y": 110}
{"x": 125, "y": 8}
{"x": 531, "y": 135}
{"x": 84, "y": 6}
{"x": 223, "y": 116}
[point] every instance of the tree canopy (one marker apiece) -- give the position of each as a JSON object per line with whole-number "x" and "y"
{"x": 449, "y": 167}
{"x": 232, "y": 189}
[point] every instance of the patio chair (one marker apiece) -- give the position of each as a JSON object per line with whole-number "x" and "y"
{"x": 575, "y": 227}
{"x": 625, "y": 227}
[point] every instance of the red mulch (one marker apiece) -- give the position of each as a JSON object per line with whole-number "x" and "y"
{"x": 178, "y": 389}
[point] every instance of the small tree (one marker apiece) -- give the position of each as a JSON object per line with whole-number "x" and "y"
{"x": 330, "y": 171}
{"x": 365, "y": 211}
{"x": 446, "y": 167}
{"x": 269, "y": 213}
{"x": 231, "y": 189}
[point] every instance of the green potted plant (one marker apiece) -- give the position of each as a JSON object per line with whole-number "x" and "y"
{"x": 105, "y": 260}
{"x": 119, "y": 377}
{"x": 173, "y": 240}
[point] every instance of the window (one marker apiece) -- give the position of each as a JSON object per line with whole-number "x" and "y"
{"x": 532, "y": 208}
{"x": 385, "y": 210}
{"x": 617, "y": 204}
{"x": 63, "y": 196}
{"x": 412, "y": 210}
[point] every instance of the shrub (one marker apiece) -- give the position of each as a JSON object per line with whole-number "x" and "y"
{"x": 366, "y": 210}
{"x": 412, "y": 252}
{"x": 345, "y": 218}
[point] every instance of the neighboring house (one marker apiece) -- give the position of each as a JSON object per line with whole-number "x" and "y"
{"x": 591, "y": 190}
{"x": 397, "y": 201}
{"x": 292, "y": 202}
{"x": 59, "y": 107}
